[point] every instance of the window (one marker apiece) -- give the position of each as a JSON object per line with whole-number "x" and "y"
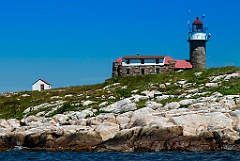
{"x": 128, "y": 61}
{"x": 197, "y": 28}
{"x": 142, "y": 61}
{"x": 161, "y": 60}
{"x": 128, "y": 71}
{"x": 157, "y": 71}
{"x": 142, "y": 71}
{"x": 157, "y": 61}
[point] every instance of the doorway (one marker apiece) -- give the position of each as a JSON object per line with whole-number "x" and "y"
{"x": 42, "y": 87}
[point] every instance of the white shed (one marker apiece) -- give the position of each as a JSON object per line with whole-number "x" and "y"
{"x": 41, "y": 85}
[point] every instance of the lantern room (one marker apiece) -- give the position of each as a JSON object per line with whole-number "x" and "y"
{"x": 198, "y": 32}
{"x": 197, "y": 26}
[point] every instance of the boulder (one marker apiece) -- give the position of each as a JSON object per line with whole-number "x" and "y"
{"x": 80, "y": 141}
{"x": 194, "y": 124}
{"x": 49, "y": 122}
{"x": 41, "y": 106}
{"x": 106, "y": 117}
{"x": 107, "y": 130}
{"x": 232, "y": 76}
{"x": 14, "y": 123}
{"x": 103, "y": 104}
{"x": 71, "y": 129}
{"x": 123, "y": 119}
{"x": 120, "y": 106}
{"x": 172, "y": 105}
{"x": 86, "y": 103}
{"x": 101, "y": 118}
{"x": 235, "y": 114}
{"x": 186, "y": 102}
{"x": 78, "y": 115}
{"x": 150, "y": 94}
{"x": 148, "y": 120}
{"x": 211, "y": 85}
{"x": 137, "y": 98}
{"x": 5, "y": 124}
{"x": 62, "y": 119}
{"x": 163, "y": 97}
{"x": 153, "y": 105}
{"x": 140, "y": 139}
{"x": 195, "y": 90}
{"x": 197, "y": 74}
{"x": 31, "y": 121}
{"x": 137, "y": 117}
{"x": 218, "y": 78}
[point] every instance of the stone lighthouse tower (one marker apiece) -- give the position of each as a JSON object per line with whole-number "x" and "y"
{"x": 197, "y": 38}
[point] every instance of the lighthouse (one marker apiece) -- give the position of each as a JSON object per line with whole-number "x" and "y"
{"x": 197, "y": 38}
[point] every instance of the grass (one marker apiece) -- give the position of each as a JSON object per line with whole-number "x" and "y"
{"x": 141, "y": 103}
{"x": 64, "y": 108}
{"x": 12, "y": 105}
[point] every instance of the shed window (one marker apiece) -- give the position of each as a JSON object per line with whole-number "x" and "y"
{"x": 128, "y": 71}
{"x": 142, "y": 71}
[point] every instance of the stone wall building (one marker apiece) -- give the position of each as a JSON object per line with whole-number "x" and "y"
{"x": 140, "y": 65}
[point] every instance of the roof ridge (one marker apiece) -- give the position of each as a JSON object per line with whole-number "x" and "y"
{"x": 42, "y": 81}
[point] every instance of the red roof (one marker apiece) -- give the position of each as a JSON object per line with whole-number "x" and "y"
{"x": 197, "y": 22}
{"x": 179, "y": 64}
{"x": 183, "y": 64}
{"x": 42, "y": 81}
{"x": 119, "y": 60}
{"x": 167, "y": 59}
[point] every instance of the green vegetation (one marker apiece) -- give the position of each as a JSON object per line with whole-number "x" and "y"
{"x": 141, "y": 103}
{"x": 12, "y": 105}
{"x": 64, "y": 108}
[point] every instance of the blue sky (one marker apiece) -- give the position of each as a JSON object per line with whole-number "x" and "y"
{"x": 74, "y": 42}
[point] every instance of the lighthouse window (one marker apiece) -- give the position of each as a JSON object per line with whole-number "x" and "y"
{"x": 142, "y": 61}
{"x": 157, "y": 61}
{"x": 128, "y": 71}
{"x": 197, "y": 28}
{"x": 128, "y": 61}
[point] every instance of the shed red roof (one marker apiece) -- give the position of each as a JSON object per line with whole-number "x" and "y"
{"x": 42, "y": 81}
{"x": 183, "y": 64}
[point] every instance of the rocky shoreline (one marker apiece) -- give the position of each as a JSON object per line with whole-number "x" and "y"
{"x": 134, "y": 140}
{"x": 208, "y": 122}
{"x": 212, "y": 124}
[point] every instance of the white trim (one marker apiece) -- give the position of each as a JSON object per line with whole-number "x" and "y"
{"x": 197, "y": 36}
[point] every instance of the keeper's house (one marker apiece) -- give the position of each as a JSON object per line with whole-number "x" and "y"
{"x": 41, "y": 85}
{"x": 138, "y": 65}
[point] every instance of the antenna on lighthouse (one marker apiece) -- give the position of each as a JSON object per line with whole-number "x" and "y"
{"x": 203, "y": 16}
{"x": 189, "y": 29}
